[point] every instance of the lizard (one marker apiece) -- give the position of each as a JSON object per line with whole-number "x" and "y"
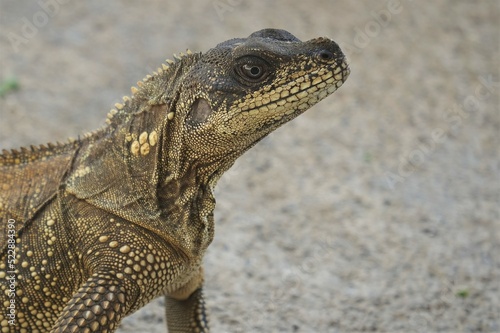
{"x": 95, "y": 228}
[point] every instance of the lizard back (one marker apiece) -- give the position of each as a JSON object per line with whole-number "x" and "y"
{"x": 29, "y": 179}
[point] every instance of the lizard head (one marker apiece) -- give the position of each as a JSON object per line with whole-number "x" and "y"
{"x": 244, "y": 88}
{"x": 187, "y": 124}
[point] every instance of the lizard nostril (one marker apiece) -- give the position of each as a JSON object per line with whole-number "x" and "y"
{"x": 325, "y": 55}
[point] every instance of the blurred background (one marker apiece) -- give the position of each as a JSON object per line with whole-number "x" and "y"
{"x": 376, "y": 211}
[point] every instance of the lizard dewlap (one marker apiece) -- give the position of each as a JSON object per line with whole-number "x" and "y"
{"x": 96, "y": 228}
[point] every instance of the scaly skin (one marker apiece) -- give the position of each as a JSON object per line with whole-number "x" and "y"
{"x": 102, "y": 225}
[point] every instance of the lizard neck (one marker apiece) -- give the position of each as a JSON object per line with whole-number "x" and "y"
{"x": 137, "y": 168}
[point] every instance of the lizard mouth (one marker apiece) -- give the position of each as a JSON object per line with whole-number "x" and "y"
{"x": 293, "y": 98}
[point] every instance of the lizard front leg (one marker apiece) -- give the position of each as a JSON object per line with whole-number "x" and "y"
{"x": 185, "y": 308}
{"x": 98, "y": 306}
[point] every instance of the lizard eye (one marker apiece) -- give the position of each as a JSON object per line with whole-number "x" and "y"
{"x": 252, "y": 69}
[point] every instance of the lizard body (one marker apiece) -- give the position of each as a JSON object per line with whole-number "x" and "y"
{"x": 96, "y": 228}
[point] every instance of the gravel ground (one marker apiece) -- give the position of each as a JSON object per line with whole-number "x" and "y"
{"x": 376, "y": 211}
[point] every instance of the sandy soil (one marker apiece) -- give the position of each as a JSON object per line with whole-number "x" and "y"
{"x": 376, "y": 211}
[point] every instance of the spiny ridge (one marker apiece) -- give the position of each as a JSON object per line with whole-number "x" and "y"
{"x": 163, "y": 70}
{"x": 165, "y": 67}
{"x": 38, "y": 150}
